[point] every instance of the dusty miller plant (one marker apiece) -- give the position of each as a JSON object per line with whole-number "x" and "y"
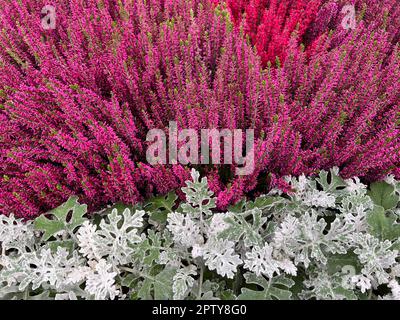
{"x": 328, "y": 239}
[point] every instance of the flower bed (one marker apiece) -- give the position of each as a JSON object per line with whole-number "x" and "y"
{"x": 77, "y": 101}
{"x": 92, "y": 207}
{"x": 328, "y": 239}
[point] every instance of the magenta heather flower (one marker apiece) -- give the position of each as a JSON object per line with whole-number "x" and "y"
{"x": 77, "y": 101}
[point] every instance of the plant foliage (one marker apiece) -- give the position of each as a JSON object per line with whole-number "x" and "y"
{"x": 327, "y": 239}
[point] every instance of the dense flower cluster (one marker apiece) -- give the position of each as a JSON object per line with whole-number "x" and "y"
{"x": 77, "y": 102}
{"x": 330, "y": 239}
{"x": 270, "y": 24}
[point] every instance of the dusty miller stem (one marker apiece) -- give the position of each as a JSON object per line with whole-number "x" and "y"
{"x": 202, "y": 263}
{"x": 200, "y": 281}
{"x": 237, "y": 282}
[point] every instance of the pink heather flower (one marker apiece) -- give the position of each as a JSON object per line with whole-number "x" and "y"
{"x": 77, "y": 102}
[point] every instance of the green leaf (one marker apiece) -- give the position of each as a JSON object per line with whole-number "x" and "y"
{"x": 227, "y": 295}
{"x": 199, "y": 198}
{"x": 345, "y": 293}
{"x": 338, "y": 263}
{"x": 159, "y": 207}
{"x": 61, "y": 220}
{"x": 241, "y": 228}
{"x": 148, "y": 250}
{"x": 396, "y": 245}
{"x": 333, "y": 183}
{"x": 13, "y": 293}
{"x": 383, "y": 226}
{"x": 144, "y": 292}
{"x": 129, "y": 280}
{"x": 274, "y": 288}
{"x": 163, "y": 284}
{"x": 158, "y": 287}
{"x": 238, "y": 207}
{"x": 383, "y": 194}
{"x": 263, "y": 202}
{"x": 66, "y": 244}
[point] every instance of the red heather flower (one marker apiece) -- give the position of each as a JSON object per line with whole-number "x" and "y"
{"x": 271, "y": 23}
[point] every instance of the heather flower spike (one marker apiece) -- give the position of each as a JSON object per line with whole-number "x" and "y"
{"x": 77, "y": 100}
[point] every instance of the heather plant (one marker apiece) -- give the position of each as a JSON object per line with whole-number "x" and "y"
{"x": 329, "y": 239}
{"x": 363, "y": 108}
{"x": 271, "y": 23}
{"x": 77, "y": 101}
